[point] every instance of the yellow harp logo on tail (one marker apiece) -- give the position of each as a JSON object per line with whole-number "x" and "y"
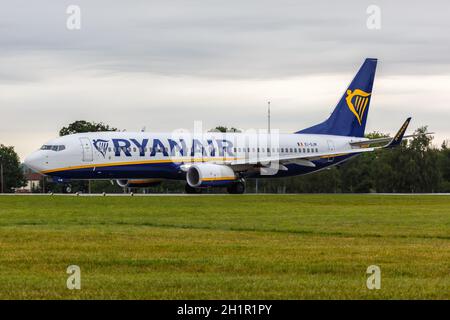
{"x": 357, "y": 102}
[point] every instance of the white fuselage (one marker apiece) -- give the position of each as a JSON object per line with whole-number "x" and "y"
{"x": 127, "y": 155}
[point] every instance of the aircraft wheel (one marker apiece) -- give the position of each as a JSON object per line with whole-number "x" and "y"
{"x": 237, "y": 188}
{"x": 191, "y": 190}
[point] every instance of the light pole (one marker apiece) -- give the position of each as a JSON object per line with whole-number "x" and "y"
{"x": 1, "y": 176}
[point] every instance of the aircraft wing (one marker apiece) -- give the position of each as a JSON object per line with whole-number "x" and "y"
{"x": 305, "y": 160}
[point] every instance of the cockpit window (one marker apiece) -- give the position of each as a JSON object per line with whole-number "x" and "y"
{"x": 53, "y": 147}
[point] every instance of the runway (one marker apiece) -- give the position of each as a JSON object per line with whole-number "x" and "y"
{"x": 211, "y": 194}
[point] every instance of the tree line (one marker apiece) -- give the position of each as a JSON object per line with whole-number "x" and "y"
{"x": 414, "y": 167}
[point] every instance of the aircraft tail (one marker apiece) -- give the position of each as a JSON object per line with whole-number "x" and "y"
{"x": 350, "y": 115}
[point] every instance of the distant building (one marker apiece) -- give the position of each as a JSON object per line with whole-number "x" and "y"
{"x": 33, "y": 181}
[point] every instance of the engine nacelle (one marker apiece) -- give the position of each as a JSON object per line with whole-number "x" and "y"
{"x": 210, "y": 175}
{"x": 138, "y": 183}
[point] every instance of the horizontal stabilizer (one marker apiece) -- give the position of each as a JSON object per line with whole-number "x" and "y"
{"x": 399, "y": 136}
{"x": 391, "y": 142}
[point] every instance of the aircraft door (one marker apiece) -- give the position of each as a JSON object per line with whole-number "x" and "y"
{"x": 331, "y": 148}
{"x": 87, "y": 149}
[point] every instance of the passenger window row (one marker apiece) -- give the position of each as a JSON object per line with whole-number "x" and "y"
{"x": 278, "y": 150}
{"x": 235, "y": 150}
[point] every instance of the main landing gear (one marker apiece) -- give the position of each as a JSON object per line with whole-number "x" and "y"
{"x": 237, "y": 187}
{"x": 191, "y": 190}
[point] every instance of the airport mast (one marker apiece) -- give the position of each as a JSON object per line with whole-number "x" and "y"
{"x": 1, "y": 177}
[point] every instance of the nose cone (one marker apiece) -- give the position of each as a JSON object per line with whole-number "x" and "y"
{"x": 35, "y": 161}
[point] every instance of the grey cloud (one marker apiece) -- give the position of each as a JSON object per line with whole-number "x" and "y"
{"x": 233, "y": 38}
{"x": 256, "y": 40}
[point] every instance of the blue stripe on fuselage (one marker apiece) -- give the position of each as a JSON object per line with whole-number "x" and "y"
{"x": 172, "y": 171}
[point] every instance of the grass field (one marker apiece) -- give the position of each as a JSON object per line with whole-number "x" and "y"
{"x": 225, "y": 247}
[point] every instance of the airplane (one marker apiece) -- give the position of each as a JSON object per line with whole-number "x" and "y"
{"x": 214, "y": 159}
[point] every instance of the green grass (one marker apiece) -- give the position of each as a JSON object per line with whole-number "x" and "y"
{"x": 225, "y": 247}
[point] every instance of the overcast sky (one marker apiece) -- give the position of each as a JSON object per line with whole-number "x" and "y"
{"x": 165, "y": 64}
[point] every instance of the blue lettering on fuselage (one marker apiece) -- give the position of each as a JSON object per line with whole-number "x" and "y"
{"x": 224, "y": 147}
{"x": 141, "y": 146}
{"x": 197, "y": 148}
{"x": 158, "y": 146}
{"x": 121, "y": 145}
{"x": 212, "y": 150}
{"x": 173, "y": 146}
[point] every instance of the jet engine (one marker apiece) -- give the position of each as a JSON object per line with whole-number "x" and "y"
{"x": 138, "y": 183}
{"x": 210, "y": 175}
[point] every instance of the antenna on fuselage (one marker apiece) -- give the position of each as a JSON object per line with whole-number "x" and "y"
{"x": 268, "y": 117}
